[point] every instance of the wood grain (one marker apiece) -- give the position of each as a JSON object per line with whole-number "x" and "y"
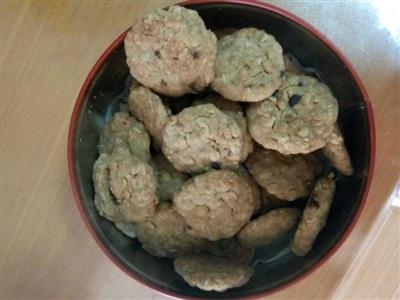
{"x": 47, "y": 49}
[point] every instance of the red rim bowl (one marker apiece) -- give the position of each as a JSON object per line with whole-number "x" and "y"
{"x": 107, "y": 82}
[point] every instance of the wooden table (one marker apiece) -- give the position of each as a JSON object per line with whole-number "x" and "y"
{"x": 47, "y": 49}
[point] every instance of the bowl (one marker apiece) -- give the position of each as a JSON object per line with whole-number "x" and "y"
{"x": 105, "y": 89}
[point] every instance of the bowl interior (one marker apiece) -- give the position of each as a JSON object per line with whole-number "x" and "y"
{"x": 275, "y": 265}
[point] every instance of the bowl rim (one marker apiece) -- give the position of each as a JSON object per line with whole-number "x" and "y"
{"x": 265, "y": 6}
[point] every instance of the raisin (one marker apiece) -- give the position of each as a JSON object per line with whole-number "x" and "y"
{"x": 294, "y": 100}
{"x": 216, "y": 165}
{"x": 196, "y": 54}
{"x": 157, "y": 53}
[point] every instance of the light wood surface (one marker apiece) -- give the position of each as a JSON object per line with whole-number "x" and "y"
{"x": 48, "y": 48}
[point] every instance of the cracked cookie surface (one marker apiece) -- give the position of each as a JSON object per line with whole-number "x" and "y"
{"x": 249, "y": 65}
{"x": 215, "y": 204}
{"x": 287, "y": 177}
{"x": 125, "y": 187}
{"x": 200, "y": 137}
{"x": 171, "y": 51}
{"x": 299, "y": 118}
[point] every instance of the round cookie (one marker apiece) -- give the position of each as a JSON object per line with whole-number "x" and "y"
{"x": 268, "y": 227}
{"x": 249, "y": 66}
{"x": 125, "y": 187}
{"x": 235, "y": 111}
{"x": 298, "y": 119}
{"x": 200, "y": 137}
{"x": 166, "y": 235}
{"x": 215, "y": 205}
{"x": 169, "y": 180}
{"x": 335, "y": 151}
{"x": 287, "y": 177}
{"x": 148, "y": 108}
{"x": 314, "y": 215}
{"x": 171, "y": 51}
{"x": 126, "y": 132}
{"x": 212, "y": 273}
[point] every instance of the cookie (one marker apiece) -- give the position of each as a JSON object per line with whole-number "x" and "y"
{"x": 212, "y": 273}
{"x": 249, "y": 66}
{"x": 171, "y": 51}
{"x": 125, "y": 187}
{"x": 129, "y": 229}
{"x": 268, "y": 227}
{"x": 125, "y": 132}
{"x": 299, "y": 118}
{"x": 202, "y": 137}
{"x": 215, "y": 205}
{"x": 287, "y": 177}
{"x": 148, "y": 108}
{"x": 169, "y": 180}
{"x": 335, "y": 151}
{"x": 166, "y": 234}
{"x": 314, "y": 215}
{"x": 235, "y": 111}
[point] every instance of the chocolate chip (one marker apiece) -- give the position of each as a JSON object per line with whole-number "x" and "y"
{"x": 163, "y": 83}
{"x": 196, "y": 54}
{"x": 157, "y": 53}
{"x": 313, "y": 203}
{"x": 216, "y": 165}
{"x": 300, "y": 83}
{"x": 294, "y": 100}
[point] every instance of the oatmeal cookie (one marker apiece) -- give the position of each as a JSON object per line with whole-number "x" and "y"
{"x": 148, "y": 108}
{"x": 314, "y": 215}
{"x": 268, "y": 227}
{"x": 215, "y": 205}
{"x": 299, "y": 118}
{"x": 287, "y": 177}
{"x": 335, "y": 151}
{"x": 125, "y": 187}
{"x": 171, "y": 51}
{"x": 212, "y": 273}
{"x": 249, "y": 65}
{"x": 200, "y": 137}
{"x": 235, "y": 111}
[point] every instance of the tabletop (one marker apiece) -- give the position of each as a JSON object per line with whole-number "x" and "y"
{"x": 48, "y": 48}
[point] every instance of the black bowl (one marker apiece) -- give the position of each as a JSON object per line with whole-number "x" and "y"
{"x": 105, "y": 89}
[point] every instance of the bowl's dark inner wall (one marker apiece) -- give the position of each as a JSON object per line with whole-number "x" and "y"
{"x": 110, "y": 82}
